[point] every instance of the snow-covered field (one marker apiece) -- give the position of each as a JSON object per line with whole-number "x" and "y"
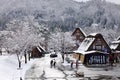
{"x": 9, "y": 67}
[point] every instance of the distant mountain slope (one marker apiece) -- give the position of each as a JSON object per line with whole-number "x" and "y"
{"x": 62, "y": 13}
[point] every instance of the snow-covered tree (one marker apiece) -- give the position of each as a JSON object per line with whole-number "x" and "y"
{"x": 61, "y": 40}
{"x": 26, "y": 35}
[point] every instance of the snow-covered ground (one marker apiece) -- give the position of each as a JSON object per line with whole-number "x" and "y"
{"x": 43, "y": 65}
{"x": 9, "y": 67}
{"x": 40, "y": 68}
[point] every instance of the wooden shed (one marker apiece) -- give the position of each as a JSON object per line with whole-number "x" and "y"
{"x": 37, "y": 52}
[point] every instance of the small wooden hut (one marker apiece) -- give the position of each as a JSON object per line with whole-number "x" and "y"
{"x": 37, "y": 52}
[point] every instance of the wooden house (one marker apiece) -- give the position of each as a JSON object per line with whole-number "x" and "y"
{"x": 37, "y": 52}
{"x": 115, "y": 47}
{"x": 78, "y": 36}
{"x": 93, "y": 50}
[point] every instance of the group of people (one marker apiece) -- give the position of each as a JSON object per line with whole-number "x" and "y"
{"x": 53, "y": 63}
{"x": 76, "y": 63}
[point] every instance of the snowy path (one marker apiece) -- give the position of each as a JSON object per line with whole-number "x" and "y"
{"x": 41, "y": 70}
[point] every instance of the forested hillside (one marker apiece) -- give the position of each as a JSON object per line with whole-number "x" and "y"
{"x": 62, "y": 13}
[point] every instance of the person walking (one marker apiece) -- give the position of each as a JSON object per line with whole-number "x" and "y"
{"x": 51, "y": 63}
{"x": 76, "y": 64}
{"x": 54, "y": 63}
{"x": 111, "y": 60}
{"x": 72, "y": 65}
{"x": 63, "y": 57}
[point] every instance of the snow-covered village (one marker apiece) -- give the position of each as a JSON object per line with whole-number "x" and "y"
{"x": 59, "y": 40}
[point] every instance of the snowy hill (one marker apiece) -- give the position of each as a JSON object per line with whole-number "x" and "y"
{"x": 57, "y": 5}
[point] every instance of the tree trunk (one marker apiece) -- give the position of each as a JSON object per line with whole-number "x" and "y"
{"x": 19, "y": 64}
{"x": 0, "y": 52}
{"x": 25, "y": 55}
{"x": 19, "y": 61}
{"x": 29, "y": 56}
{"x": 20, "y": 78}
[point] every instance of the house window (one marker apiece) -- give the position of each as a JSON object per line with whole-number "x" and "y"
{"x": 98, "y": 45}
{"x": 103, "y": 47}
{"x": 98, "y": 42}
{"x": 93, "y": 47}
{"x": 77, "y": 42}
{"x": 81, "y": 37}
{"x": 77, "y": 33}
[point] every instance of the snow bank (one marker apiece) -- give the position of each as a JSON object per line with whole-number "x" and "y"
{"x": 9, "y": 68}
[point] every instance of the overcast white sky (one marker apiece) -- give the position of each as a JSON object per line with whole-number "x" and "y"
{"x": 114, "y": 1}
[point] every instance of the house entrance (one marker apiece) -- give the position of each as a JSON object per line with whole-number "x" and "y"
{"x": 96, "y": 58}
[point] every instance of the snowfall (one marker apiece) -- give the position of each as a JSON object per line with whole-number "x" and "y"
{"x": 40, "y": 68}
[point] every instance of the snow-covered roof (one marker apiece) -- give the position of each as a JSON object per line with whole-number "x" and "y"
{"x": 89, "y": 52}
{"x": 78, "y": 51}
{"x": 41, "y": 47}
{"x": 94, "y": 25}
{"x": 117, "y": 51}
{"x": 117, "y": 42}
{"x": 80, "y": 30}
{"x": 86, "y": 44}
{"x": 93, "y": 34}
{"x": 118, "y": 38}
{"x": 83, "y": 32}
{"x": 114, "y": 46}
